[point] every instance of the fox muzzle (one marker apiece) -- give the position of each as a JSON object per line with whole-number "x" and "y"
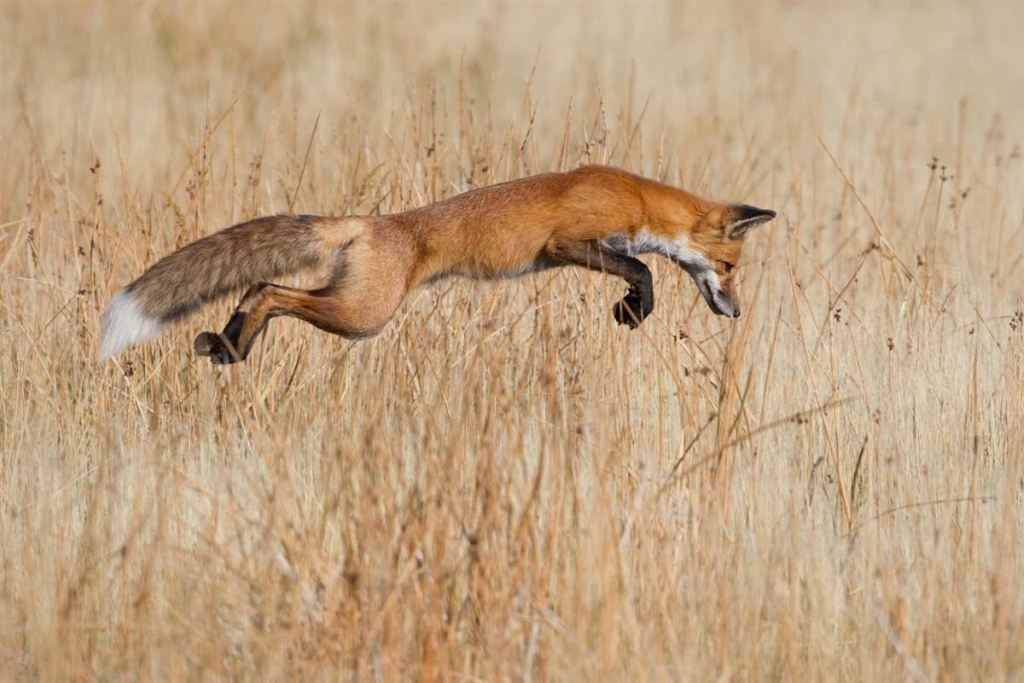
{"x": 720, "y": 304}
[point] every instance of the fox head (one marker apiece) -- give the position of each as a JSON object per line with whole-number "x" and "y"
{"x": 703, "y": 238}
{"x": 713, "y": 250}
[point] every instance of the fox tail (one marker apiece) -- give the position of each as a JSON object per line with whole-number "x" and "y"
{"x": 208, "y": 269}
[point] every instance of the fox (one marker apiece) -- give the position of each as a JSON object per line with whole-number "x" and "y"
{"x": 598, "y": 218}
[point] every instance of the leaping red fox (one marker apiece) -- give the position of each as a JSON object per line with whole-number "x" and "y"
{"x": 594, "y": 217}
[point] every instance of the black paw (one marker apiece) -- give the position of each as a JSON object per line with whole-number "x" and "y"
{"x": 216, "y": 347}
{"x": 630, "y": 311}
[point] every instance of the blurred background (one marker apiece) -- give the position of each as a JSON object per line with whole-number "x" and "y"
{"x": 504, "y": 485}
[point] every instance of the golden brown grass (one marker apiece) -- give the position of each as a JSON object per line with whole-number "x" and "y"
{"x": 504, "y": 484}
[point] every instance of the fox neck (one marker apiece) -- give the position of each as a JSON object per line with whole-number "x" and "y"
{"x": 670, "y": 210}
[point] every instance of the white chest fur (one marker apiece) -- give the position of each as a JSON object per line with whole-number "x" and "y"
{"x": 645, "y": 242}
{"x": 679, "y": 250}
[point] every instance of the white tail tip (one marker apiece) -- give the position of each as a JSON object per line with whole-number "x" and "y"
{"x": 124, "y": 324}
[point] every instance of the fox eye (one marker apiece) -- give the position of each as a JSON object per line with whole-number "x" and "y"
{"x": 728, "y": 267}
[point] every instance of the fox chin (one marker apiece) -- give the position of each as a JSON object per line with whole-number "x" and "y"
{"x": 594, "y": 217}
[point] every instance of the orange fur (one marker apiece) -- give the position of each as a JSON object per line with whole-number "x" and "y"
{"x": 595, "y": 217}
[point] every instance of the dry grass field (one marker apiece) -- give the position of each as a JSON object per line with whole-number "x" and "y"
{"x": 505, "y": 485}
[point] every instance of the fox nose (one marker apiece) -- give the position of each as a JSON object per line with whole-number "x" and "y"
{"x": 736, "y": 311}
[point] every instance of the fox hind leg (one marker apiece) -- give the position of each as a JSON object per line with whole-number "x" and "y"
{"x": 353, "y": 308}
{"x": 226, "y": 347}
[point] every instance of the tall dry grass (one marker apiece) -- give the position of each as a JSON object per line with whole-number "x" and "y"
{"x": 504, "y": 484}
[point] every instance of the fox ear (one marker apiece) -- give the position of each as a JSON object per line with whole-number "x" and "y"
{"x": 743, "y": 217}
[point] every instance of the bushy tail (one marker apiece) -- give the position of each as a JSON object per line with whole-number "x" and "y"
{"x": 208, "y": 269}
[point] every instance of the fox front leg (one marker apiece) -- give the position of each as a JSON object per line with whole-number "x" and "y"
{"x": 593, "y": 255}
